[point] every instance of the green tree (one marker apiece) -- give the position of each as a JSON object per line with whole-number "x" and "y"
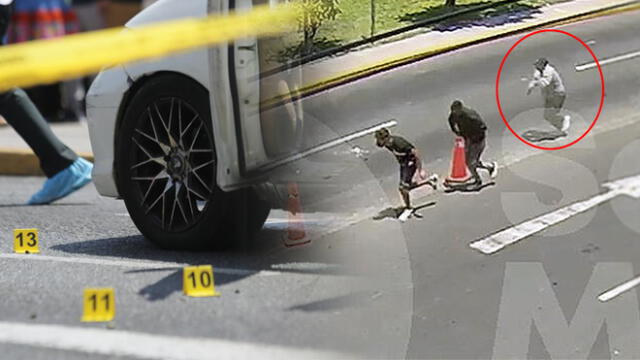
{"x": 314, "y": 13}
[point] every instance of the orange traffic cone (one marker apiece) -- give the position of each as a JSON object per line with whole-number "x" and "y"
{"x": 295, "y": 228}
{"x": 459, "y": 172}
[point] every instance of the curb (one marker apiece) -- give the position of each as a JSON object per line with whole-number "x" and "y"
{"x": 391, "y": 63}
{"x": 21, "y": 162}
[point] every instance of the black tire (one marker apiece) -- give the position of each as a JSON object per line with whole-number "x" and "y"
{"x": 168, "y": 185}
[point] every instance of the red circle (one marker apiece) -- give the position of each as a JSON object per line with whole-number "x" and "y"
{"x": 504, "y": 119}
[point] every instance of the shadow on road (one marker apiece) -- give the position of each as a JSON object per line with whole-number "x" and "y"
{"x": 394, "y": 213}
{"x": 535, "y": 135}
{"x": 357, "y": 299}
{"x": 172, "y": 283}
{"x": 389, "y": 213}
{"x": 468, "y": 188}
{"x": 491, "y": 17}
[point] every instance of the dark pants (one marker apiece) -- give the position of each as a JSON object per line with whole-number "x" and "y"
{"x": 24, "y": 117}
{"x": 474, "y": 147}
{"x": 407, "y": 170}
{"x": 552, "y": 105}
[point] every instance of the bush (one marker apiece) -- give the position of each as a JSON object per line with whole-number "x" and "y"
{"x": 314, "y": 13}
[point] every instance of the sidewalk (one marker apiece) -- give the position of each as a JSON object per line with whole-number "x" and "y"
{"x": 16, "y": 158}
{"x": 327, "y": 73}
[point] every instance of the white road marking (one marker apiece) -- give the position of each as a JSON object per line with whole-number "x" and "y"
{"x": 118, "y": 343}
{"x": 132, "y": 264}
{"x": 629, "y": 186}
{"x": 591, "y": 65}
{"x": 281, "y": 219}
{"x": 619, "y": 290}
{"x": 328, "y": 145}
{"x": 306, "y": 266}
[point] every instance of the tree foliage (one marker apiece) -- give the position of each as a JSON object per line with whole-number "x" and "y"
{"x": 313, "y": 14}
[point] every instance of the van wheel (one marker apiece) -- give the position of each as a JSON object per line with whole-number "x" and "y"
{"x": 166, "y": 165}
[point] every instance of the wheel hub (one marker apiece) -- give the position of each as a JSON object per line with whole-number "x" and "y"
{"x": 177, "y": 164}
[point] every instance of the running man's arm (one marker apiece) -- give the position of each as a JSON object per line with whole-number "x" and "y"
{"x": 453, "y": 125}
{"x": 540, "y": 78}
{"x": 535, "y": 81}
{"x": 416, "y": 154}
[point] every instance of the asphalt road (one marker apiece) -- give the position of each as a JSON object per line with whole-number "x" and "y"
{"x": 370, "y": 287}
{"x": 468, "y": 305}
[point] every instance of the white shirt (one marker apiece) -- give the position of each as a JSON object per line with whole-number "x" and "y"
{"x": 549, "y": 80}
{"x": 5, "y": 2}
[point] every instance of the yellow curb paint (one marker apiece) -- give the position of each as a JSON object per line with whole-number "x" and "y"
{"x": 22, "y": 65}
{"x": 22, "y": 162}
{"x": 411, "y": 57}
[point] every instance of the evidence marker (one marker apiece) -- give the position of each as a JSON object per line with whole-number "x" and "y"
{"x": 26, "y": 241}
{"x": 198, "y": 281}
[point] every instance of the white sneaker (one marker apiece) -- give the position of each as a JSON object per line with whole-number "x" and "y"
{"x": 433, "y": 181}
{"x": 494, "y": 170}
{"x": 566, "y": 123}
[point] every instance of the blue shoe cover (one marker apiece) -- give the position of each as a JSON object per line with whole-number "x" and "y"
{"x": 63, "y": 183}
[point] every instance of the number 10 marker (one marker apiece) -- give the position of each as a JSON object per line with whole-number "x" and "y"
{"x": 198, "y": 281}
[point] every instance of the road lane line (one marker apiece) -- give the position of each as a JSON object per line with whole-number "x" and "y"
{"x": 491, "y": 244}
{"x": 146, "y": 346}
{"x": 619, "y": 290}
{"x": 133, "y": 264}
{"x": 615, "y": 59}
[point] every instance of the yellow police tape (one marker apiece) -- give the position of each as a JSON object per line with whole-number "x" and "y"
{"x": 46, "y": 61}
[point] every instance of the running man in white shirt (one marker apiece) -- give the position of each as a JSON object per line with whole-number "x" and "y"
{"x": 547, "y": 78}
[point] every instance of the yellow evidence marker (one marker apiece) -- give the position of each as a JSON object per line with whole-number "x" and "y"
{"x": 99, "y": 304}
{"x": 198, "y": 281}
{"x": 25, "y": 241}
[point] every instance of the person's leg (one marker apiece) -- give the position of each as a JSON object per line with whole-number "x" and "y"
{"x": 406, "y": 198}
{"x": 65, "y": 171}
{"x": 491, "y": 167}
{"x": 25, "y": 118}
{"x": 553, "y": 106}
{"x": 5, "y": 17}
{"x": 563, "y": 120}
{"x": 550, "y": 111}
{"x": 472, "y": 154}
{"x": 406, "y": 179}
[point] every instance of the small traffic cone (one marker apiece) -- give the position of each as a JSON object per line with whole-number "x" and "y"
{"x": 295, "y": 227}
{"x": 459, "y": 172}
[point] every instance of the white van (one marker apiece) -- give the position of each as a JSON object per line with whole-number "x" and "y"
{"x": 186, "y": 140}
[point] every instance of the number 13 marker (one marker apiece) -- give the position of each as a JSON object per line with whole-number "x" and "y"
{"x": 25, "y": 241}
{"x": 198, "y": 281}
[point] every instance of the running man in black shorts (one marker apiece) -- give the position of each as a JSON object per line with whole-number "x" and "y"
{"x": 409, "y": 160}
